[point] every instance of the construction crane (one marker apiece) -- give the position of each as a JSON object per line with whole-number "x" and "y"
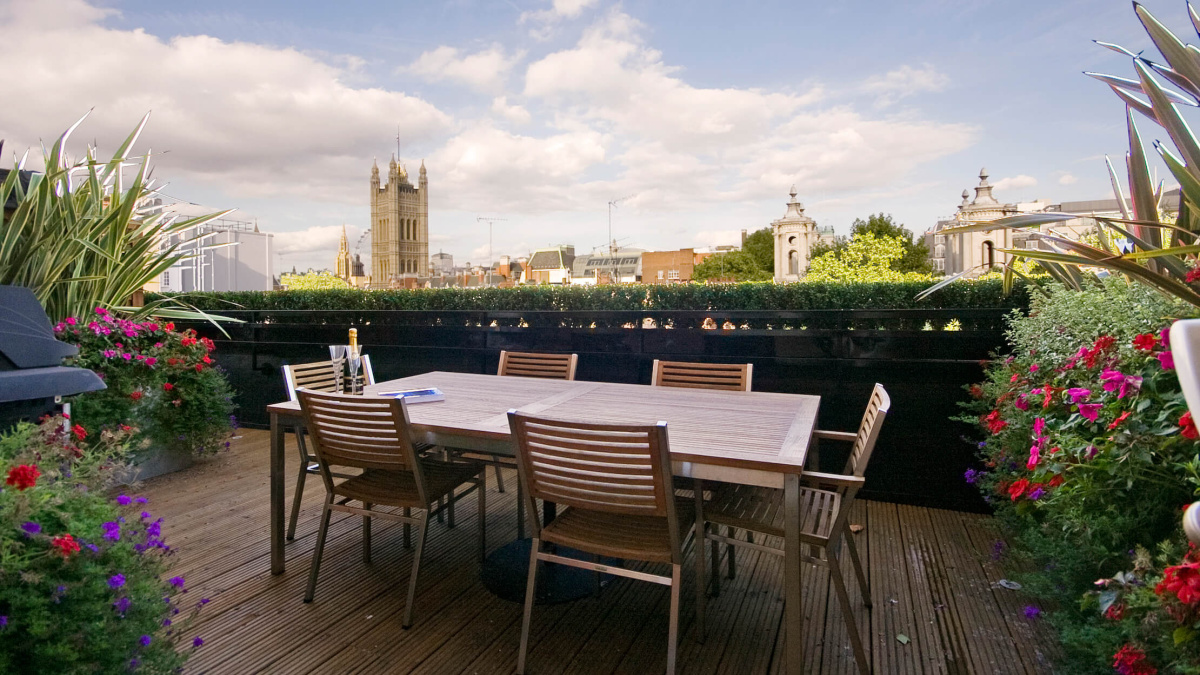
{"x": 489, "y": 221}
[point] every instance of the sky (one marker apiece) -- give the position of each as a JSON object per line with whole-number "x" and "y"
{"x": 697, "y": 115}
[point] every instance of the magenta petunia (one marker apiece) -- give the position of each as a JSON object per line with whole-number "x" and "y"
{"x": 1021, "y": 403}
{"x": 1035, "y": 454}
{"x": 1090, "y": 411}
{"x": 1166, "y": 360}
{"x": 1078, "y": 393}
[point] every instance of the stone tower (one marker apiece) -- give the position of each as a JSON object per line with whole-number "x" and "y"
{"x": 343, "y": 268}
{"x": 399, "y": 226}
{"x": 795, "y": 234}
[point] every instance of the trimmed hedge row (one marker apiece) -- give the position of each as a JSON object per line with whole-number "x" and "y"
{"x": 744, "y": 296}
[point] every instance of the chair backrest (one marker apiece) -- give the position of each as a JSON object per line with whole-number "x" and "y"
{"x": 729, "y": 376}
{"x": 615, "y": 468}
{"x": 364, "y": 432}
{"x": 868, "y": 432}
{"x": 529, "y": 364}
{"x": 317, "y": 376}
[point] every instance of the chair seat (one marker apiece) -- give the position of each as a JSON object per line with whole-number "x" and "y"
{"x": 620, "y": 535}
{"x": 399, "y": 488}
{"x": 761, "y": 510}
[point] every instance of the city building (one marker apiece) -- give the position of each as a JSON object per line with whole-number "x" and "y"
{"x": 399, "y": 228}
{"x": 231, "y": 255}
{"x": 441, "y": 263}
{"x": 549, "y": 266}
{"x": 350, "y": 269}
{"x": 623, "y": 266}
{"x": 795, "y": 235}
{"x": 670, "y": 267}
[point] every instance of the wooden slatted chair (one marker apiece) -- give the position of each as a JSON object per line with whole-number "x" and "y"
{"x": 615, "y": 482}
{"x": 728, "y": 376}
{"x": 529, "y": 364}
{"x": 824, "y": 505}
{"x": 372, "y": 433}
{"x": 317, "y": 376}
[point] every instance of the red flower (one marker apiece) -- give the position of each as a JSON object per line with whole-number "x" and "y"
{"x": 199, "y": 367}
{"x": 1017, "y": 489}
{"x": 1187, "y": 427}
{"x": 1057, "y": 480}
{"x": 1117, "y": 422}
{"x": 1145, "y": 342}
{"x": 208, "y": 360}
{"x": 23, "y": 476}
{"x": 79, "y": 431}
{"x": 1132, "y": 661}
{"x": 1115, "y": 611}
{"x": 167, "y": 386}
{"x": 1192, "y": 275}
{"x": 1182, "y": 580}
{"x": 170, "y": 325}
{"x": 208, "y": 344}
{"x": 993, "y": 422}
{"x": 65, "y": 544}
{"x": 136, "y": 395}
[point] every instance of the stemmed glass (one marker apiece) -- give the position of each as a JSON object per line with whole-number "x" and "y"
{"x": 354, "y": 358}
{"x": 337, "y": 353}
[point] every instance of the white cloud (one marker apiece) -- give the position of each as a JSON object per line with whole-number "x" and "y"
{"x": 1015, "y": 182}
{"x": 903, "y": 82}
{"x": 545, "y": 19}
{"x": 248, "y": 119}
{"x": 1067, "y": 179}
{"x": 513, "y": 113}
{"x": 718, "y": 238}
{"x": 317, "y": 247}
{"x": 486, "y": 70}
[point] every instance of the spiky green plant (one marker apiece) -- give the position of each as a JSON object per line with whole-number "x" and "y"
{"x": 81, "y": 237}
{"x": 1139, "y": 245}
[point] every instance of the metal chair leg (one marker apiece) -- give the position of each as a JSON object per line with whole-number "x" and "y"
{"x": 858, "y": 570}
{"x": 412, "y": 581}
{"x": 673, "y": 627}
{"x": 291, "y": 533}
{"x": 481, "y": 490}
{"x": 499, "y": 477}
{"x": 366, "y": 535}
{"x": 320, "y": 548}
{"x": 715, "y": 572}
{"x": 839, "y": 585}
{"x": 530, "y": 587}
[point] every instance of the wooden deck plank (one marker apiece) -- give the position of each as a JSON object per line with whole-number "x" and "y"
{"x": 929, "y": 572}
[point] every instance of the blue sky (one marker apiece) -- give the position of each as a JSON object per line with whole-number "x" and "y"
{"x": 540, "y": 112}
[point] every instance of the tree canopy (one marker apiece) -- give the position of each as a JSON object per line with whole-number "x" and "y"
{"x": 915, "y": 254}
{"x": 732, "y": 266}
{"x": 865, "y": 257}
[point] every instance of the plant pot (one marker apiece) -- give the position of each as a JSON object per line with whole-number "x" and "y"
{"x": 158, "y": 462}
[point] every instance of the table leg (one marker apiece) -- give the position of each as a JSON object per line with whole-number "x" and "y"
{"x": 276, "y": 495}
{"x": 793, "y": 612}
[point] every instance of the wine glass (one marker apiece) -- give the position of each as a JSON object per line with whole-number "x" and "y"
{"x": 337, "y": 354}
{"x": 354, "y": 358}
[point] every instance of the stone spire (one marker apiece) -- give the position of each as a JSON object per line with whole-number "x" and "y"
{"x": 392, "y": 167}
{"x": 375, "y": 172}
{"x": 422, "y": 179}
{"x": 795, "y": 209}
{"x": 983, "y": 191}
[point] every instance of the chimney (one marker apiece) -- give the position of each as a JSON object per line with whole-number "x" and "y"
{"x": 743, "y": 238}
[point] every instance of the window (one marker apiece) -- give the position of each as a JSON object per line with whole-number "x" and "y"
{"x": 792, "y": 240}
{"x": 660, "y": 275}
{"x": 989, "y": 253}
{"x": 939, "y": 239}
{"x": 673, "y": 274}
{"x": 939, "y": 251}
{"x": 793, "y": 262}
{"x": 939, "y": 264}
{"x": 166, "y": 279}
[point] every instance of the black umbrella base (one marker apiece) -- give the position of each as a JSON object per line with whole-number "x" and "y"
{"x": 506, "y": 570}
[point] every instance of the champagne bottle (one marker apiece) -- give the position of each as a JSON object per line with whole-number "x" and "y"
{"x": 353, "y": 337}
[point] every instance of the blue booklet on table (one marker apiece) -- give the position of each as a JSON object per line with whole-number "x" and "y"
{"x": 417, "y": 395}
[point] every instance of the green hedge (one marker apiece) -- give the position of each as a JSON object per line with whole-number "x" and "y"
{"x": 750, "y": 296}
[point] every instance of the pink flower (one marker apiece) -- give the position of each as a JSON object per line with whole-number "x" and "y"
{"x": 1077, "y": 393}
{"x": 70, "y": 321}
{"x": 1039, "y": 425}
{"x": 1119, "y": 382}
{"x": 1021, "y": 403}
{"x": 1034, "y": 455}
{"x": 1013, "y": 378}
{"x": 1090, "y": 411}
{"x": 1166, "y": 360}
{"x": 1165, "y": 337}
{"x": 1033, "y": 368}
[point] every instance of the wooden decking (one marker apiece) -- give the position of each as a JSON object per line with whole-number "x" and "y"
{"x": 937, "y": 607}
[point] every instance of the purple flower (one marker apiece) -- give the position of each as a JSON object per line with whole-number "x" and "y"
{"x": 166, "y": 623}
{"x": 204, "y": 601}
{"x": 141, "y": 500}
{"x": 1090, "y": 411}
{"x": 1119, "y": 382}
{"x": 197, "y": 641}
{"x": 1037, "y": 493}
{"x": 1032, "y": 612}
{"x": 145, "y": 515}
{"x": 971, "y": 476}
{"x": 997, "y": 549}
{"x": 122, "y": 605}
{"x": 177, "y": 582}
{"x": 1091, "y": 451}
{"x": 116, "y": 581}
{"x": 31, "y": 528}
{"x": 3, "y": 621}
{"x": 112, "y": 530}
{"x": 1078, "y": 393}
{"x": 123, "y": 500}
{"x": 145, "y": 640}
{"x": 154, "y": 529}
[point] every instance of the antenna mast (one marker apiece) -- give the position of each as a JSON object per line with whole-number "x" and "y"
{"x": 611, "y": 205}
{"x": 489, "y": 221}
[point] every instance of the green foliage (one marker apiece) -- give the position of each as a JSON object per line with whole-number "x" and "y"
{"x": 1088, "y": 456}
{"x": 765, "y": 296}
{"x": 162, "y": 381}
{"x": 739, "y": 265}
{"x": 865, "y": 258}
{"x": 760, "y": 244}
{"x": 80, "y": 239}
{"x": 312, "y": 281}
{"x": 915, "y": 256}
{"x": 83, "y": 577}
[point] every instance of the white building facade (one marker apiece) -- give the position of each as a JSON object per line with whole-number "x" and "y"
{"x": 795, "y": 235}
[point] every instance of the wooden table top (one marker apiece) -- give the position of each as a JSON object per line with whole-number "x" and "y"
{"x": 748, "y": 430}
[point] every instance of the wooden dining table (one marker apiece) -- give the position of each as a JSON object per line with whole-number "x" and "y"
{"x": 750, "y": 438}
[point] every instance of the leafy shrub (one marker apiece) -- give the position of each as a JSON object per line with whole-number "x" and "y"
{"x": 162, "y": 381}
{"x": 83, "y": 579}
{"x": 1089, "y": 453}
{"x": 765, "y": 296}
